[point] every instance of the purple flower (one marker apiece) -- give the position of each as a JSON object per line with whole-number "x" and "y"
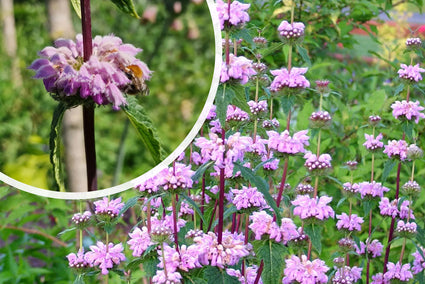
{"x": 238, "y": 14}
{"x": 291, "y": 31}
{"x": 257, "y": 107}
{"x": 239, "y": 68}
{"x": 418, "y": 261}
{"x": 289, "y": 79}
{"x": 179, "y": 176}
{"x": 103, "y": 78}
{"x": 388, "y": 208}
{"x": 212, "y": 113}
{"x": 405, "y": 212}
{"x": 414, "y": 41}
{"x": 302, "y": 270}
{"x": 269, "y": 124}
{"x": 373, "y": 144}
{"x": 81, "y": 219}
{"x": 372, "y": 189}
{"x": 105, "y": 257}
{"x": 149, "y": 186}
{"x": 408, "y": 110}
{"x": 171, "y": 277}
{"x": 347, "y": 274}
{"x": 247, "y": 198}
{"x": 108, "y": 207}
{"x": 78, "y": 261}
{"x": 184, "y": 259}
{"x": 286, "y": 145}
{"x": 229, "y": 252}
{"x": 407, "y": 229}
{"x": 236, "y": 114}
{"x": 307, "y": 207}
{"x": 410, "y": 73}
{"x": 350, "y": 223}
{"x": 139, "y": 241}
{"x": 396, "y": 149}
{"x": 258, "y": 147}
{"x": 398, "y": 272}
{"x": 379, "y": 279}
{"x": 317, "y": 165}
{"x": 350, "y": 188}
{"x": 248, "y": 278}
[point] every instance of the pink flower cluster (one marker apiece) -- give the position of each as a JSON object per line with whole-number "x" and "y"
{"x": 418, "y": 261}
{"x": 396, "y": 149}
{"x": 398, "y": 272}
{"x": 103, "y": 78}
{"x": 372, "y": 189}
{"x": 349, "y": 222}
{"x": 248, "y": 197}
{"x": 388, "y": 208}
{"x": 108, "y": 207}
{"x": 263, "y": 224}
{"x": 239, "y": 68}
{"x": 105, "y": 256}
{"x": 373, "y": 144}
{"x": 283, "y": 143}
{"x": 410, "y": 73}
{"x": 257, "y": 107}
{"x": 302, "y": 270}
{"x": 248, "y": 278}
{"x": 307, "y": 207}
{"x": 237, "y": 16}
{"x": 289, "y": 79}
{"x": 408, "y": 110}
{"x": 139, "y": 241}
{"x": 374, "y": 248}
{"x": 347, "y": 274}
{"x": 291, "y": 31}
{"x": 317, "y": 164}
{"x": 234, "y": 113}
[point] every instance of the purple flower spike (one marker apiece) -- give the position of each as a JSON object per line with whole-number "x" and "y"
{"x": 373, "y": 144}
{"x": 106, "y": 207}
{"x": 293, "y": 79}
{"x": 302, "y": 270}
{"x": 408, "y": 110}
{"x": 239, "y": 68}
{"x": 396, "y": 149}
{"x": 349, "y": 223}
{"x": 105, "y": 257}
{"x": 398, "y": 271}
{"x": 410, "y": 73}
{"x": 238, "y": 14}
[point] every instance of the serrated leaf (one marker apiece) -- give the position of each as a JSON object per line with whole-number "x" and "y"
{"x": 224, "y": 96}
{"x": 240, "y": 97}
{"x": 389, "y": 165}
{"x": 407, "y": 127}
{"x": 128, "y": 204}
{"x": 143, "y": 125}
{"x": 314, "y": 232}
{"x": 213, "y": 275}
{"x": 368, "y": 205}
{"x": 55, "y": 144}
{"x": 287, "y": 103}
{"x": 341, "y": 201}
{"x": 272, "y": 49}
{"x": 194, "y": 280}
{"x": 420, "y": 236}
{"x": 127, "y": 6}
{"x": 273, "y": 255}
{"x": 304, "y": 54}
{"x": 76, "y": 4}
{"x": 262, "y": 186}
{"x": 201, "y": 170}
{"x": 194, "y": 205}
{"x": 398, "y": 89}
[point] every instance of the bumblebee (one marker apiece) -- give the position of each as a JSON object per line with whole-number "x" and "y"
{"x": 138, "y": 85}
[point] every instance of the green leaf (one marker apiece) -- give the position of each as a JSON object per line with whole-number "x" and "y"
{"x": 201, "y": 170}
{"x": 398, "y": 89}
{"x": 67, "y": 230}
{"x": 304, "y": 54}
{"x": 273, "y": 255}
{"x": 229, "y": 211}
{"x": 127, "y": 6}
{"x": 79, "y": 279}
{"x": 420, "y": 236}
{"x": 77, "y": 7}
{"x": 128, "y": 204}
{"x": 368, "y": 205}
{"x": 407, "y": 127}
{"x": 214, "y": 275}
{"x": 224, "y": 96}
{"x": 262, "y": 186}
{"x": 240, "y": 97}
{"x": 287, "y": 103}
{"x": 314, "y": 232}
{"x": 272, "y": 49}
{"x": 194, "y": 205}
{"x": 143, "y": 125}
{"x": 389, "y": 165}
{"x": 55, "y": 144}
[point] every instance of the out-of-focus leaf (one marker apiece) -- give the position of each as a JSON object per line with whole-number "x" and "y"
{"x": 127, "y": 6}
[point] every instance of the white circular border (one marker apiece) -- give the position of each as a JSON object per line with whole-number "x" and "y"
{"x": 188, "y": 139}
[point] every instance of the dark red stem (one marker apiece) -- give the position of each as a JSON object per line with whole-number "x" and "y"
{"x": 259, "y": 271}
{"x": 88, "y": 110}
{"x": 221, "y": 198}
{"x": 176, "y": 235}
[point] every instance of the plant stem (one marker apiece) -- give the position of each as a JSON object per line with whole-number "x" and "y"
{"x": 176, "y": 236}
{"x": 259, "y": 271}
{"x": 88, "y": 110}
{"x": 282, "y": 182}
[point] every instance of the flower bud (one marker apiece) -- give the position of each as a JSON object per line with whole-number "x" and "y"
{"x": 320, "y": 119}
{"x": 414, "y": 152}
{"x": 374, "y": 120}
{"x": 352, "y": 165}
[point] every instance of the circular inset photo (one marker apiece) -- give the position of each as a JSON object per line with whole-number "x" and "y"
{"x": 102, "y": 97}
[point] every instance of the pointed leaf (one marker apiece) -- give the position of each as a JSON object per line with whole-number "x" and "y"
{"x": 262, "y": 186}
{"x": 389, "y": 165}
{"x": 128, "y": 204}
{"x": 127, "y": 6}
{"x": 76, "y": 4}
{"x": 304, "y": 54}
{"x": 273, "y": 255}
{"x": 194, "y": 205}
{"x": 213, "y": 275}
{"x": 55, "y": 144}
{"x": 314, "y": 232}
{"x": 224, "y": 96}
{"x": 287, "y": 103}
{"x": 143, "y": 125}
{"x": 79, "y": 279}
{"x": 201, "y": 170}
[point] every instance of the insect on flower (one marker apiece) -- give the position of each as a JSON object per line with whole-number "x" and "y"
{"x": 138, "y": 85}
